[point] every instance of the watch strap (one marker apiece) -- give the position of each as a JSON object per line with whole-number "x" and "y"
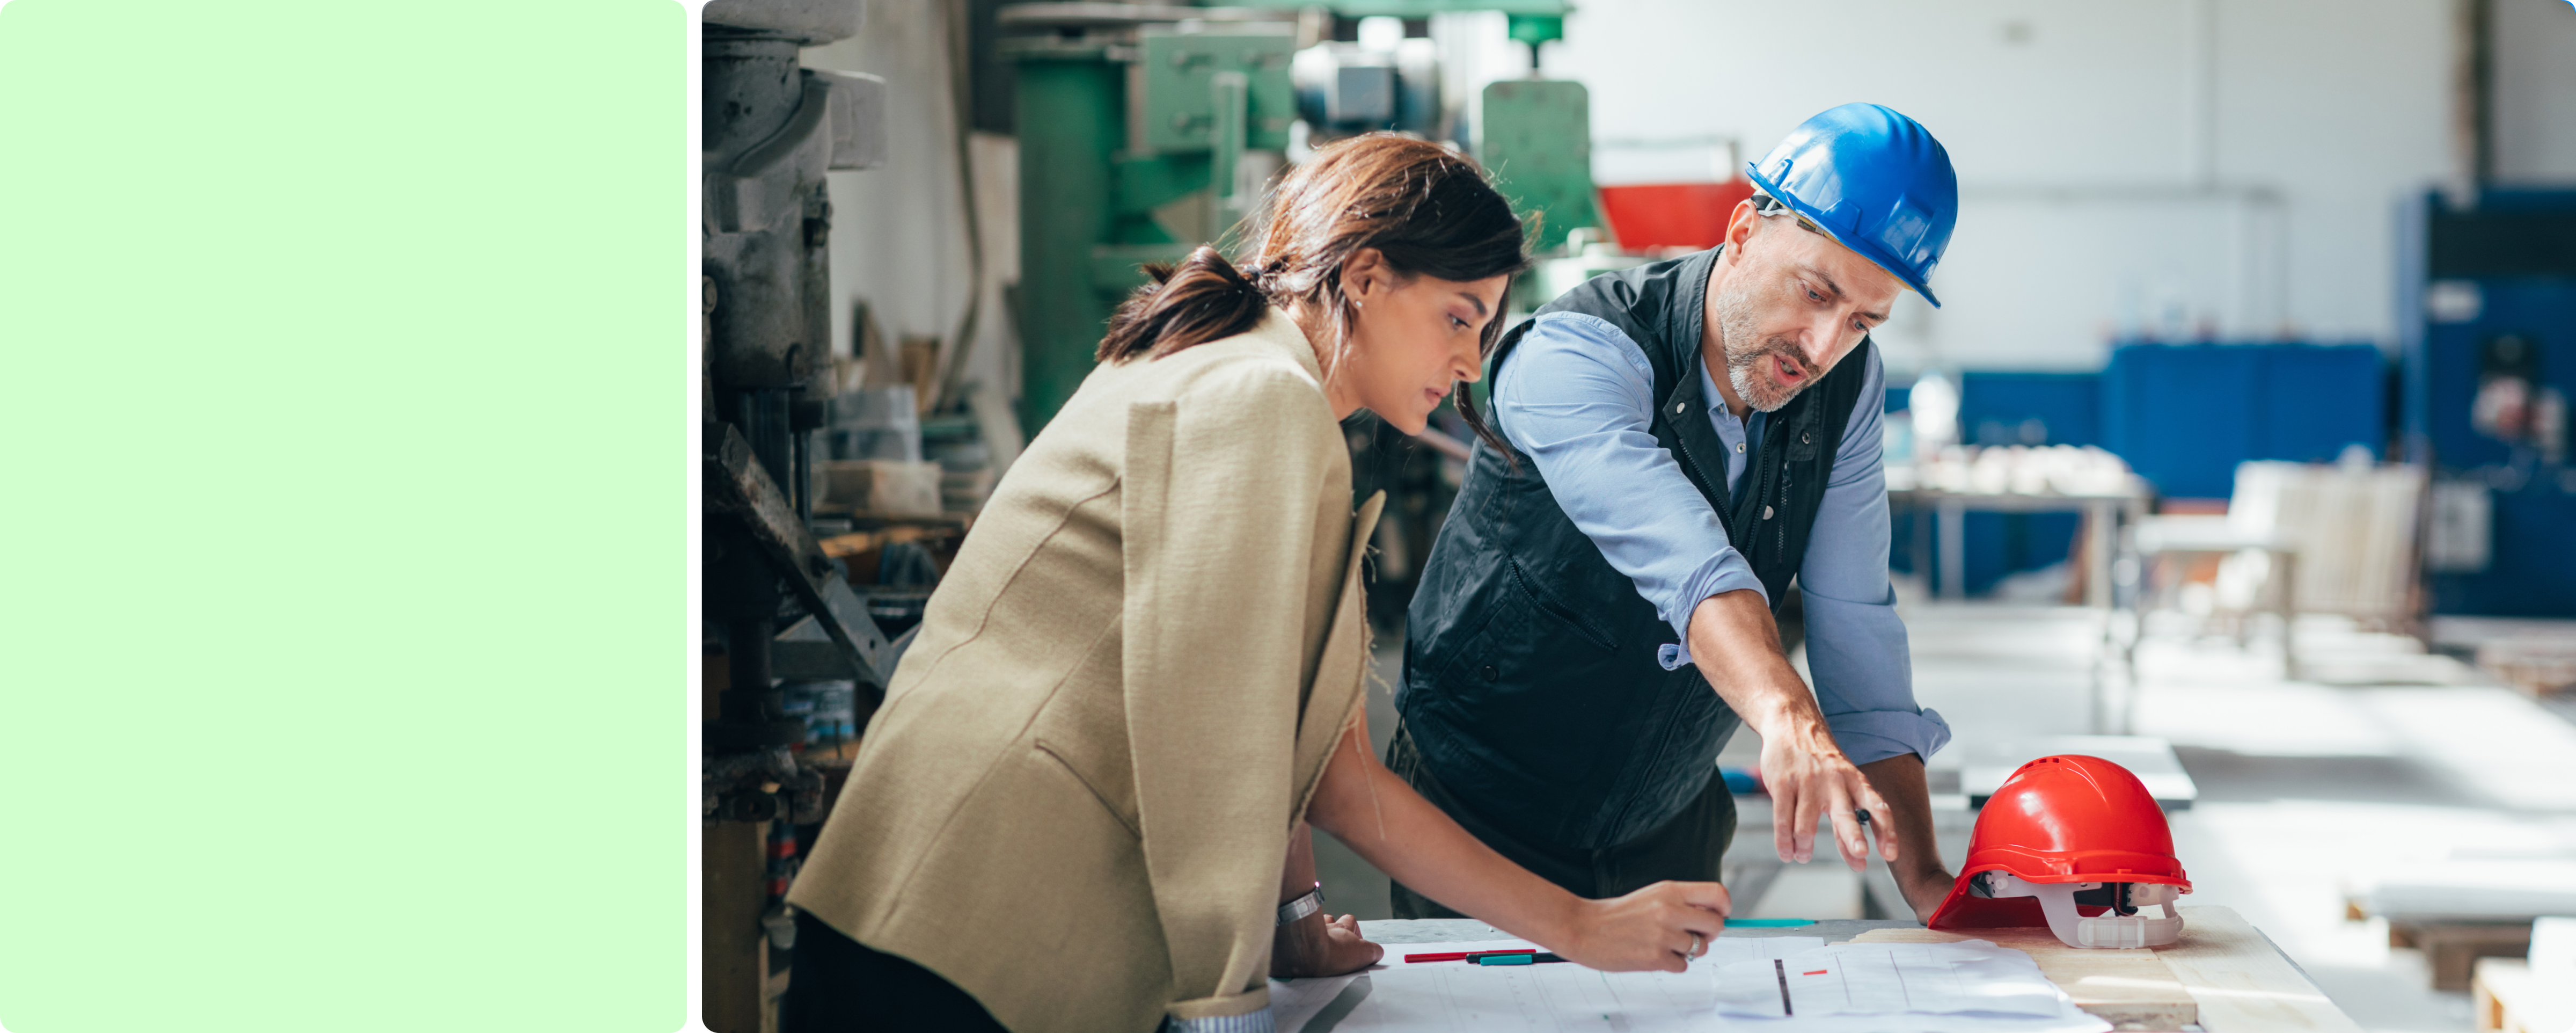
{"x": 1307, "y": 903}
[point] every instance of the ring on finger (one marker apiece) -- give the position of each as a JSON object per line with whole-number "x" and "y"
{"x": 1698, "y": 945}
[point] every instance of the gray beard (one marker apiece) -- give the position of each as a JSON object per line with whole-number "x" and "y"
{"x": 1736, "y": 329}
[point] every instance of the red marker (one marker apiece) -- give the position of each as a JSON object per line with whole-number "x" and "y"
{"x": 1415, "y": 959}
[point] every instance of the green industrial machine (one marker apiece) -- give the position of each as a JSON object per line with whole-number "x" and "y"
{"x": 1532, "y": 21}
{"x": 1132, "y": 120}
{"x": 1534, "y": 135}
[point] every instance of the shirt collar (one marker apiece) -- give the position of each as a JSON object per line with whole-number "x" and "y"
{"x": 1717, "y": 409}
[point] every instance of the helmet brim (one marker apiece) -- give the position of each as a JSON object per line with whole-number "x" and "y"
{"x": 1964, "y": 910}
{"x": 1876, "y": 255}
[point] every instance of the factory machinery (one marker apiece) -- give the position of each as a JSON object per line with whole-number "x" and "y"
{"x": 2488, "y": 297}
{"x": 778, "y": 611}
{"x": 1147, "y": 130}
{"x": 1155, "y": 127}
{"x": 770, "y": 131}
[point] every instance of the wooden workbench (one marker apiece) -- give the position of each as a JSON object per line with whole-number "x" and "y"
{"x": 2225, "y": 975}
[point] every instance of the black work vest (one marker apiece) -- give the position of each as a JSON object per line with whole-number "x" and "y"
{"x": 1531, "y": 684}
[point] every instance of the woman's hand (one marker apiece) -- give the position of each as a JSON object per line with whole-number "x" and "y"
{"x": 1660, "y": 927}
{"x": 1312, "y": 946}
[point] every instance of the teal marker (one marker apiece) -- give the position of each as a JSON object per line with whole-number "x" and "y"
{"x": 1514, "y": 959}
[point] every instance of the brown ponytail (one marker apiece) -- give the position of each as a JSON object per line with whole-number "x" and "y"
{"x": 1204, "y": 298}
{"x": 1426, "y": 208}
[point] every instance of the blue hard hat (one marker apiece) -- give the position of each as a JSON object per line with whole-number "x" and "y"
{"x": 1873, "y": 179}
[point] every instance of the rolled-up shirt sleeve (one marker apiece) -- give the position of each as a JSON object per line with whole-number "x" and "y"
{"x": 1577, "y": 397}
{"x": 1856, "y": 646}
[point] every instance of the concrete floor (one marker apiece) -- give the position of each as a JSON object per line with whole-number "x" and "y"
{"x": 2306, "y": 788}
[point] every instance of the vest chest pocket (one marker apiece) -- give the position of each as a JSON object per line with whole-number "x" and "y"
{"x": 1546, "y": 604}
{"x": 1803, "y": 435}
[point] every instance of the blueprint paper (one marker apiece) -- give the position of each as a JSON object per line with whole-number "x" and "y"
{"x": 2070, "y": 1019}
{"x": 1551, "y": 998}
{"x": 1452, "y": 997}
{"x": 1877, "y": 978}
{"x": 2074, "y": 1021}
{"x": 1724, "y": 952}
{"x": 1294, "y": 1002}
{"x": 1969, "y": 985}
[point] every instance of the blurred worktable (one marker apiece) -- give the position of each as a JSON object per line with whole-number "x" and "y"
{"x": 2105, "y": 507}
{"x": 2224, "y": 976}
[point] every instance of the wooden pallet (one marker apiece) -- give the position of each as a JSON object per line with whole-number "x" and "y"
{"x": 2510, "y": 999}
{"x": 2452, "y": 949}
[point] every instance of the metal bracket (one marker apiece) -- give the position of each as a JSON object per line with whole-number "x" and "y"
{"x": 804, "y": 652}
{"x": 737, "y": 486}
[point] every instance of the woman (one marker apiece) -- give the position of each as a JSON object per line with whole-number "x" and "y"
{"x": 1146, "y": 663}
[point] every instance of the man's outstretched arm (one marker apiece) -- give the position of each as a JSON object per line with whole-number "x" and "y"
{"x": 1737, "y": 648}
{"x": 1857, "y": 648}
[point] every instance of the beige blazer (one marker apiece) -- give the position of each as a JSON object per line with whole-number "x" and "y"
{"x": 1076, "y": 800}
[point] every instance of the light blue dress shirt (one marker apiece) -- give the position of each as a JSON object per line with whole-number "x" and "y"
{"x": 1577, "y": 397}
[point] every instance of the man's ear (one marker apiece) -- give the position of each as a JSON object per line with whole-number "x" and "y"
{"x": 1741, "y": 226}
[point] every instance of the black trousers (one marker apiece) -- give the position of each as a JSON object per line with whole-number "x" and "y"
{"x": 1687, "y": 848}
{"x": 840, "y": 985}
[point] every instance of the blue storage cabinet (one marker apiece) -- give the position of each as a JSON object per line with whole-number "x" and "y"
{"x": 2016, "y": 408}
{"x": 2184, "y": 415}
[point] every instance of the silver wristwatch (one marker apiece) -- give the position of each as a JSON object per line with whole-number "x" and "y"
{"x": 1307, "y": 903}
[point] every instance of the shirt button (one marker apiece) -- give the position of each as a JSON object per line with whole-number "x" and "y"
{"x": 1739, "y": 447}
{"x": 1680, "y": 407}
{"x": 1766, "y": 515}
{"x": 1805, "y": 439}
{"x": 1488, "y": 672}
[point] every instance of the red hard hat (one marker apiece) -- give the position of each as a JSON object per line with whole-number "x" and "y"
{"x": 2057, "y": 820}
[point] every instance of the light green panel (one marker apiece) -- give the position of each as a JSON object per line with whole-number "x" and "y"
{"x": 1535, "y": 137}
{"x": 346, "y": 562}
{"x": 1416, "y": 8}
{"x": 1178, "y": 67}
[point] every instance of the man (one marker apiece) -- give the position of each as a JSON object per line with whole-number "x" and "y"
{"x": 1684, "y": 438}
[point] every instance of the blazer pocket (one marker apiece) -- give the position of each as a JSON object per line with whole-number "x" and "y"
{"x": 1125, "y": 820}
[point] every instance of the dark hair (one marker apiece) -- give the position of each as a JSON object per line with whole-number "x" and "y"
{"x": 1428, "y": 209}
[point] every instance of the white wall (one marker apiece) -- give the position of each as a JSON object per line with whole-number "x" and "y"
{"x": 2125, "y": 165}
{"x": 2162, "y": 167}
{"x": 899, "y": 236}
{"x": 2535, "y": 91}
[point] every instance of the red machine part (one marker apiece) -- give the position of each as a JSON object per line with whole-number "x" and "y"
{"x": 1647, "y": 216}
